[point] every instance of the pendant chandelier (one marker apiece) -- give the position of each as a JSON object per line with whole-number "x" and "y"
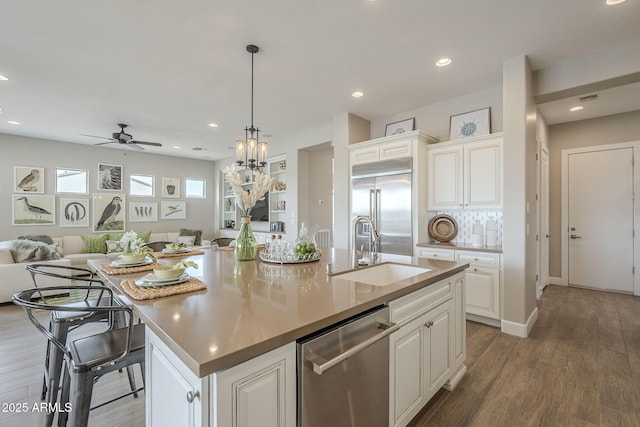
{"x": 251, "y": 152}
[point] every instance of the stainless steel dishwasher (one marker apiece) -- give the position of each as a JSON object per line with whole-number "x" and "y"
{"x": 343, "y": 373}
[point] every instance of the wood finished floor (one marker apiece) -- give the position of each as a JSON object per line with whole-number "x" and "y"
{"x": 579, "y": 367}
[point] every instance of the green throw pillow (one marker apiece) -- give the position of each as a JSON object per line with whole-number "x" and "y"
{"x": 94, "y": 243}
{"x": 145, "y": 236}
{"x": 115, "y": 236}
{"x": 114, "y": 246}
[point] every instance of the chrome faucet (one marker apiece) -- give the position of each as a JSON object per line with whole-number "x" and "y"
{"x": 373, "y": 243}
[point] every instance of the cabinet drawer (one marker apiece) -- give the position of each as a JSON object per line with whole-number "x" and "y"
{"x": 393, "y": 150}
{"x": 364, "y": 155}
{"x": 410, "y": 306}
{"x": 480, "y": 259}
{"x": 441, "y": 254}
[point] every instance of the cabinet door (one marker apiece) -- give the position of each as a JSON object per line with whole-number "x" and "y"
{"x": 445, "y": 178}
{"x": 172, "y": 400}
{"x": 365, "y": 155}
{"x": 406, "y": 376}
{"x": 483, "y": 291}
{"x": 395, "y": 149}
{"x": 259, "y": 392}
{"x": 483, "y": 175}
{"x": 439, "y": 346}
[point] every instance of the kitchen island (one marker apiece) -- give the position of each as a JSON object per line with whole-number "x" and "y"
{"x": 244, "y": 325}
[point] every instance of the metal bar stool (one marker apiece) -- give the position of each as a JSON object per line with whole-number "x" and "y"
{"x": 61, "y": 322}
{"x": 87, "y": 359}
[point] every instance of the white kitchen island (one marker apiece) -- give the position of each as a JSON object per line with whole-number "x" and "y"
{"x": 226, "y": 355}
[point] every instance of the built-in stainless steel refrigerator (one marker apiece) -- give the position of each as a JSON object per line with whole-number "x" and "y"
{"x": 382, "y": 191}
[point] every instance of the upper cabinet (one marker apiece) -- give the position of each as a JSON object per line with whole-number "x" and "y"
{"x": 390, "y": 147}
{"x": 466, "y": 174}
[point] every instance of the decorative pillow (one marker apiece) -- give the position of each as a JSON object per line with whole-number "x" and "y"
{"x": 145, "y": 236}
{"x": 94, "y": 243}
{"x": 114, "y": 246}
{"x": 58, "y": 248}
{"x": 187, "y": 240}
{"x": 196, "y": 233}
{"x": 115, "y": 236}
{"x": 28, "y": 250}
{"x": 37, "y": 238}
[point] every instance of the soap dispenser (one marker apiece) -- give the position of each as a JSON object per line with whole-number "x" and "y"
{"x": 477, "y": 236}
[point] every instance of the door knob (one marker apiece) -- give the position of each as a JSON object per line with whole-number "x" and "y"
{"x": 548, "y": 235}
{"x": 573, "y": 236}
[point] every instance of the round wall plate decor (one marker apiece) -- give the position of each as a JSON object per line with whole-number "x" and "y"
{"x": 442, "y": 228}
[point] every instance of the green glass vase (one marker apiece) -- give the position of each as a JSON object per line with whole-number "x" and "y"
{"x": 246, "y": 246}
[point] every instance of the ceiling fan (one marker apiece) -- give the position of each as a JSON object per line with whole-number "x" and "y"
{"x": 124, "y": 138}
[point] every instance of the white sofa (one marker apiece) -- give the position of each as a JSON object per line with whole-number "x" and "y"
{"x": 14, "y": 277}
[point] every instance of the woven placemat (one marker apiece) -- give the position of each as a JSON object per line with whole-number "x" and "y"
{"x": 193, "y": 252}
{"x": 141, "y": 293}
{"x": 107, "y": 268}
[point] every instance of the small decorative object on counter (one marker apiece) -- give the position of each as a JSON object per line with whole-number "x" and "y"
{"x": 491, "y": 228}
{"x": 477, "y": 236}
{"x": 305, "y": 244}
{"x": 246, "y": 246}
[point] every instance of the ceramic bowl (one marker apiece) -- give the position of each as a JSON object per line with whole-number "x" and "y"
{"x": 131, "y": 258}
{"x": 168, "y": 272}
{"x": 174, "y": 246}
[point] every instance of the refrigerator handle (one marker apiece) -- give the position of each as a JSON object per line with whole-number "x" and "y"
{"x": 376, "y": 220}
{"x": 371, "y": 203}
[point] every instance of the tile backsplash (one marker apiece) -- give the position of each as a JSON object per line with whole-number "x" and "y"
{"x": 467, "y": 218}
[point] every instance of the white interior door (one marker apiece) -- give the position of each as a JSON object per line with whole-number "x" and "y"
{"x": 544, "y": 219}
{"x": 600, "y": 219}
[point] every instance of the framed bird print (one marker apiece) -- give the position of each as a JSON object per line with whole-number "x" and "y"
{"x": 34, "y": 209}
{"x": 74, "y": 212}
{"x": 108, "y": 212}
{"x": 28, "y": 180}
{"x": 143, "y": 212}
{"x": 173, "y": 210}
{"x": 171, "y": 187}
{"x": 109, "y": 177}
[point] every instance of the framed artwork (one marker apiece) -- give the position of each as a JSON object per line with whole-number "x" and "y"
{"x": 400, "y": 127}
{"x": 34, "y": 209}
{"x": 108, "y": 212}
{"x": 473, "y": 123}
{"x": 173, "y": 210}
{"x": 28, "y": 179}
{"x": 74, "y": 212}
{"x": 171, "y": 187}
{"x": 141, "y": 185}
{"x": 143, "y": 212}
{"x": 109, "y": 177}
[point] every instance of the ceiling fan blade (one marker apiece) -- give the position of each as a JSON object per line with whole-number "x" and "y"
{"x": 136, "y": 146}
{"x": 95, "y": 136}
{"x": 155, "y": 144}
{"x": 108, "y": 142}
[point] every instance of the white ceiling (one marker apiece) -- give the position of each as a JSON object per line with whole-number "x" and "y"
{"x": 168, "y": 68}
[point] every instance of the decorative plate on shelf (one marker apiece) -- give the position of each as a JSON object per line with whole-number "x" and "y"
{"x": 442, "y": 228}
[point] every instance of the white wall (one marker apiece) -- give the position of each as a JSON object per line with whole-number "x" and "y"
{"x": 23, "y": 151}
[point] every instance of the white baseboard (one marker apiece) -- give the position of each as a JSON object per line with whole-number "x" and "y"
{"x": 556, "y": 281}
{"x": 519, "y": 329}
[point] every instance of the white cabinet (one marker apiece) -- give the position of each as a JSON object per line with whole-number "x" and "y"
{"x": 425, "y": 353}
{"x": 259, "y": 392}
{"x": 483, "y": 280}
{"x": 377, "y": 150}
{"x": 174, "y": 395}
{"x": 466, "y": 175}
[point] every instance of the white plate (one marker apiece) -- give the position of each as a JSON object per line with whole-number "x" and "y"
{"x": 176, "y": 251}
{"x": 151, "y": 280}
{"x": 122, "y": 264}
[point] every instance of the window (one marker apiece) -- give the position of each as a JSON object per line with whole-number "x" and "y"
{"x": 141, "y": 185}
{"x": 195, "y": 188}
{"x": 71, "y": 181}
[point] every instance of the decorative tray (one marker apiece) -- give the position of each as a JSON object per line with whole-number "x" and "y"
{"x": 443, "y": 228}
{"x": 289, "y": 258}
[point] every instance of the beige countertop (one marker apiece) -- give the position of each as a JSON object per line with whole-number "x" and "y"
{"x": 465, "y": 246}
{"x": 252, "y": 307}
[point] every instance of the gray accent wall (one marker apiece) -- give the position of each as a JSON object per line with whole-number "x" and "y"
{"x": 48, "y": 154}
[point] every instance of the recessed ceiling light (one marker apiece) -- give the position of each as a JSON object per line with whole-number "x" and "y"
{"x": 3, "y": 78}
{"x": 614, "y": 2}
{"x": 176, "y": 147}
{"x": 443, "y": 62}
{"x": 213, "y": 125}
{"x": 576, "y": 108}
{"x": 357, "y": 94}
{"x": 13, "y": 122}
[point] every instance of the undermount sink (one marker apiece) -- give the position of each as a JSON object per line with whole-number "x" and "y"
{"x": 383, "y": 274}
